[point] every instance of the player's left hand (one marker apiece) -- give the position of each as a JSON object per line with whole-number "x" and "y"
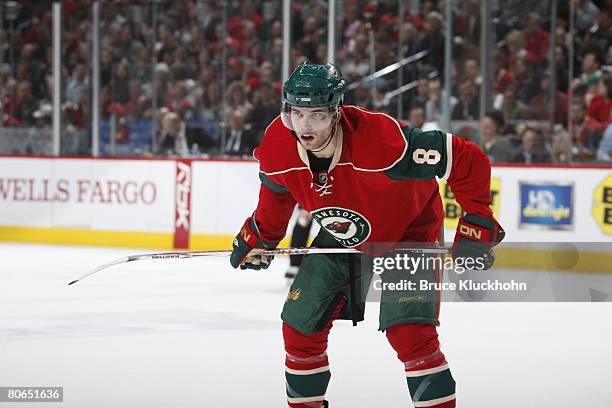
{"x": 475, "y": 238}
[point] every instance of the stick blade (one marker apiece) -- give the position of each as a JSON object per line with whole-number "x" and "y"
{"x": 99, "y": 268}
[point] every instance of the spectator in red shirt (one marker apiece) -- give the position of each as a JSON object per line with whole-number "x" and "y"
{"x": 599, "y": 99}
{"x": 537, "y": 41}
{"x": 235, "y": 25}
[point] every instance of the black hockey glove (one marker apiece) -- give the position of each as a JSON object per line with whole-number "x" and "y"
{"x": 247, "y": 245}
{"x": 475, "y": 238}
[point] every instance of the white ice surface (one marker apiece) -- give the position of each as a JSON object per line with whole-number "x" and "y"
{"x": 195, "y": 333}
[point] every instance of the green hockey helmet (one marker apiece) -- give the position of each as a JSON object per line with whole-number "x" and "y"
{"x": 313, "y": 86}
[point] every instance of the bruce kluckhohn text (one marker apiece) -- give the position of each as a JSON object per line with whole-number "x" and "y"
{"x": 492, "y": 285}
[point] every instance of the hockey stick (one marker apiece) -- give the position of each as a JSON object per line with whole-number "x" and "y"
{"x": 269, "y": 252}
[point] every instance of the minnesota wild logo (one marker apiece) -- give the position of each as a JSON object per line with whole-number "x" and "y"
{"x": 348, "y": 227}
{"x": 339, "y": 227}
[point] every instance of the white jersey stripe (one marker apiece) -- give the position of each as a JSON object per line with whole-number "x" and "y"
{"x": 307, "y": 372}
{"x": 431, "y": 403}
{"x": 306, "y": 399}
{"x": 285, "y": 171}
{"x": 428, "y": 371}
{"x": 449, "y": 156}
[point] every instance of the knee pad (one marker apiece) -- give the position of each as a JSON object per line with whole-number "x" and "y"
{"x": 305, "y": 348}
{"x": 416, "y": 345}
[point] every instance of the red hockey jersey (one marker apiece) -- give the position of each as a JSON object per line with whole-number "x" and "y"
{"x": 381, "y": 184}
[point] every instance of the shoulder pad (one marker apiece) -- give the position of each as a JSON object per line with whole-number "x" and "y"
{"x": 376, "y": 139}
{"x": 277, "y": 152}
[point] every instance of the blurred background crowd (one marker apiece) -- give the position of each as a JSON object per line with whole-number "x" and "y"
{"x": 203, "y": 77}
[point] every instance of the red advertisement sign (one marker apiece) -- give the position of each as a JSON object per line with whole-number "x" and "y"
{"x": 182, "y": 206}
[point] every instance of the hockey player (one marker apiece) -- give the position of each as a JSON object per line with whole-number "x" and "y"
{"x": 363, "y": 176}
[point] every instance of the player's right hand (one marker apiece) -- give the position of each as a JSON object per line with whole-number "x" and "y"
{"x": 247, "y": 248}
{"x": 475, "y": 238}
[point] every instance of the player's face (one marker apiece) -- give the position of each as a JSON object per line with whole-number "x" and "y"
{"x": 312, "y": 126}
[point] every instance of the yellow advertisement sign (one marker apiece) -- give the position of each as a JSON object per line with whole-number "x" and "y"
{"x": 453, "y": 210}
{"x": 602, "y": 205}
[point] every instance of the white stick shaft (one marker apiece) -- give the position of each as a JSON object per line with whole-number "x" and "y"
{"x": 272, "y": 252}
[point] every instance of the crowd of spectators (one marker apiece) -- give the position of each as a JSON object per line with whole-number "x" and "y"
{"x": 170, "y": 64}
